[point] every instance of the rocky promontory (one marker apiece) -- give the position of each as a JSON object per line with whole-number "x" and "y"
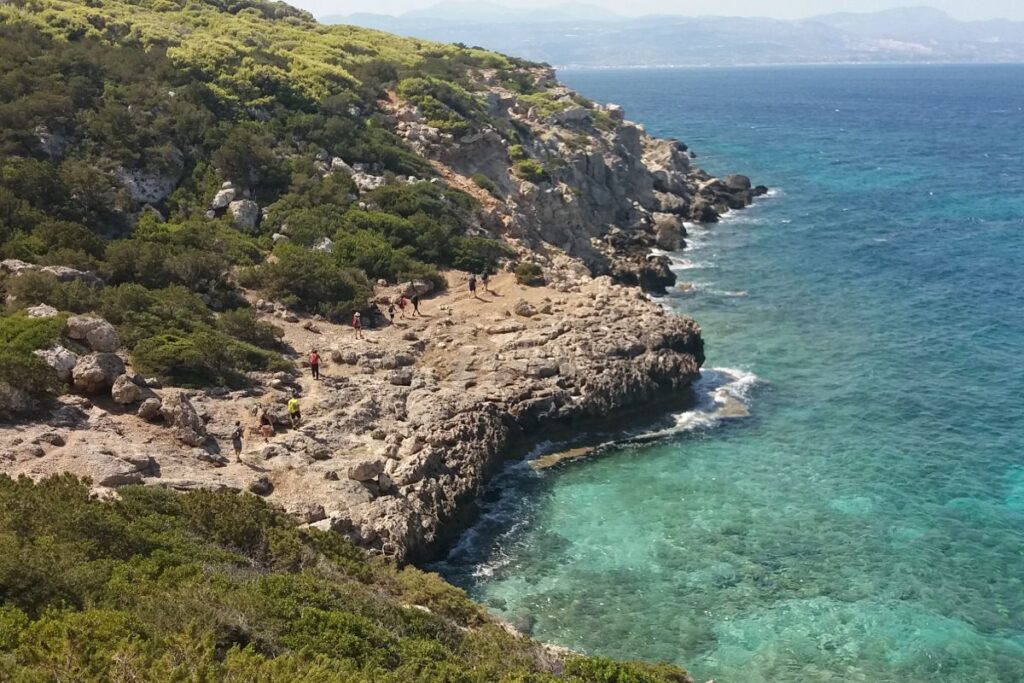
{"x": 407, "y": 424}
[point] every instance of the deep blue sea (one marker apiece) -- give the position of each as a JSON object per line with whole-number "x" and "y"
{"x": 866, "y": 521}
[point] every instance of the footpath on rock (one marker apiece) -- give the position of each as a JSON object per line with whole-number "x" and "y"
{"x": 406, "y": 424}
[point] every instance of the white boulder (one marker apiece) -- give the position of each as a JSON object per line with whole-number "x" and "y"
{"x": 96, "y": 333}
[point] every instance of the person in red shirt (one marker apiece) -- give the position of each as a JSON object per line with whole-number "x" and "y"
{"x": 314, "y": 363}
{"x": 357, "y": 324}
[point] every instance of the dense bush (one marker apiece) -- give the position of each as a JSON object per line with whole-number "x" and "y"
{"x": 202, "y": 357}
{"x": 310, "y": 281}
{"x": 528, "y": 169}
{"x": 529, "y": 274}
{"x": 217, "y": 586}
{"x": 484, "y": 183}
{"x": 477, "y": 254}
{"x": 446, "y": 105}
{"x": 34, "y": 287}
{"x": 244, "y": 324}
{"x": 19, "y": 367}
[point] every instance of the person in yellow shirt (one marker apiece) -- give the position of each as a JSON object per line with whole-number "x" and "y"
{"x": 293, "y": 410}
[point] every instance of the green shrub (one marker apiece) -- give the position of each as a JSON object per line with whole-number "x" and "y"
{"x": 140, "y": 313}
{"x": 517, "y": 153}
{"x": 219, "y": 586}
{"x": 245, "y": 325}
{"x": 529, "y": 274}
{"x": 545, "y": 103}
{"x": 19, "y": 367}
{"x": 530, "y": 170}
{"x": 34, "y": 287}
{"x": 477, "y": 254}
{"x": 311, "y": 281}
{"x": 202, "y": 357}
{"x": 484, "y": 183}
{"x": 446, "y": 105}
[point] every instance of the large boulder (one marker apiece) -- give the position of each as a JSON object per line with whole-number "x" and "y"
{"x": 125, "y": 391}
{"x": 96, "y": 372}
{"x": 245, "y": 213}
{"x": 224, "y": 196}
{"x": 736, "y": 182}
{"x": 109, "y": 466}
{"x": 338, "y": 165}
{"x": 61, "y": 360}
{"x": 181, "y": 416}
{"x": 669, "y": 231}
{"x": 150, "y": 409}
{"x": 366, "y": 469}
{"x": 96, "y": 333}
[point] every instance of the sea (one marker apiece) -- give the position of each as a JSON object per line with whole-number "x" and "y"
{"x": 865, "y": 520}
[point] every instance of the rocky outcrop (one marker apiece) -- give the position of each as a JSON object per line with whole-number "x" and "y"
{"x": 181, "y": 416}
{"x": 125, "y": 391}
{"x": 602, "y": 175}
{"x": 96, "y": 372}
{"x": 16, "y": 267}
{"x": 245, "y": 213}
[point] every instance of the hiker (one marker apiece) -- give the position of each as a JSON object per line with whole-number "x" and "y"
{"x": 416, "y": 304}
{"x": 236, "y": 440}
{"x": 485, "y": 278}
{"x": 314, "y": 364}
{"x": 402, "y": 303}
{"x": 266, "y": 424}
{"x": 357, "y": 324}
{"x": 472, "y": 285}
{"x": 293, "y": 410}
{"x": 391, "y": 312}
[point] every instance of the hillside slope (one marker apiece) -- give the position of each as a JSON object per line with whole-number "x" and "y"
{"x": 219, "y": 587}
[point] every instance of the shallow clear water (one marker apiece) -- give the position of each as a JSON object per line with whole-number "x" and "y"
{"x": 866, "y": 522}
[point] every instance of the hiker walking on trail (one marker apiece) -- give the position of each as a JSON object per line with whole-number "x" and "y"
{"x": 357, "y": 325}
{"x": 236, "y": 440}
{"x": 391, "y": 312}
{"x": 472, "y": 285}
{"x": 314, "y": 364}
{"x": 486, "y": 279}
{"x": 416, "y": 304}
{"x": 266, "y": 424}
{"x": 294, "y": 413}
{"x": 402, "y": 303}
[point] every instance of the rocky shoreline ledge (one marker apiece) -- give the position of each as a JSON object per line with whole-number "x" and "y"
{"x": 408, "y": 424}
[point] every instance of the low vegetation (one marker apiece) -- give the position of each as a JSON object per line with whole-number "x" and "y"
{"x": 528, "y": 169}
{"x": 529, "y": 274}
{"x": 101, "y": 101}
{"x": 217, "y": 586}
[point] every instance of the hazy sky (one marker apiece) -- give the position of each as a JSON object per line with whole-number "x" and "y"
{"x": 783, "y": 9}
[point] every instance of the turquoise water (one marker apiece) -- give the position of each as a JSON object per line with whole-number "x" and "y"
{"x": 866, "y": 521}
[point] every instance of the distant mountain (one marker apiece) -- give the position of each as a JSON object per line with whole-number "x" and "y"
{"x": 582, "y": 35}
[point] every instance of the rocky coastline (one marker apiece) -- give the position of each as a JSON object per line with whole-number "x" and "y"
{"x": 408, "y": 424}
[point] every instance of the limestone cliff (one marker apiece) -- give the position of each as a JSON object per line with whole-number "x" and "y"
{"x": 602, "y": 190}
